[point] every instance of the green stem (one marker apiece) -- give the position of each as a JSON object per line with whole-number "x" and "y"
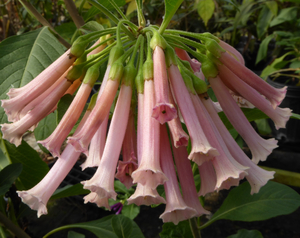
{"x": 12, "y": 227}
{"x": 169, "y": 15}
{"x": 149, "y": 52}
{"x": 111, "y": 16}
{"x": 44, "y": 22}
{"x": 177, "y": 43}
{"x": 194, "y": 228}
{"x": 193, "y": 35}
{"x": 137, "y": 44}
{"x": 78, "y": 20}
{"x": 141, "y": 18}
{"x": 192, "y": 43}
{"x": 112, "y": 2}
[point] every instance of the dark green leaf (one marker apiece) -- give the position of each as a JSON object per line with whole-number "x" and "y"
{"x": 91, "y": 26}
{"x": 8, "y": 176}
{"x": 181, "y": 230}
{"x": 263, "y": 49}
{"x": 119, "y": 187}
{"x": 263, "y": 21}
{"x": 122, "y": 226}
{"x": 24, "y": 57}
{"x": 63, "y": 106}
{"x": 273, "y": 6}
{"x": 130, "y": 211}
{"x": 73, "y": 234}
{"x": 69, "y": 190}
{"x": 34, "y": 169}
{"x": 247, "y": 234}
{"x": 101, "y": 228}
{"x": 66, "y": 30}
{"x": 273, "y": 199}
{"x": 286, "y": 14}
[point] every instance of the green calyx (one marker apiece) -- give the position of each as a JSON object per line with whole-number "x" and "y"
{"x": 75, "y": 72}
{"x": 116, "y": 71}
{"x": 78, "y": 48}
{"x": 115, "y": 53}
{"x": 187, "y": 79}
{"x": 170, "y": 56}
{"x": 139, "y": 82}
{"x": 199, "y": 85}
{"x": 92, "y": 101}
{"x": 187, "y": 65}
{"x": 148, "y": 70}
{"x": 211, "y": 36}
{"x": 157, "y": 40}
{"x": 129, "y": 75}
{"x": 209, "y": 69}
{"x": 92, "y": 75}
{"x": 213, "y": 47}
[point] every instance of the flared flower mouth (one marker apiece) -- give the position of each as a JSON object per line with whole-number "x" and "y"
{"x": 152, "y": 108}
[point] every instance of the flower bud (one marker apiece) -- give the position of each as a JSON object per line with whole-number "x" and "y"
{"x": 129, "y": 75}
{"x": 148, "y": 70}
{"x": 209, "y": 69}
{"x": 116, "y": 71}
{"x": 157, "y": 40}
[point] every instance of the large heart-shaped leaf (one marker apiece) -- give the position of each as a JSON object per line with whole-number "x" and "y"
{"x": 273, "y": 199}
{"x": 24, "y": 57}
{"x": 104, "y": 227}
{"x": 8, "y": 176}
{"x": 34, "y": 169}
{"x": 122, "y": 226}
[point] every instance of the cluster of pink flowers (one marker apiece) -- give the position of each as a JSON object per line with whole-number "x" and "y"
{"x": 170, "y": 90}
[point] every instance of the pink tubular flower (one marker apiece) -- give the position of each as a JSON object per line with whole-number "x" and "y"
{"x": 232, "y": 51}
{"x": 14, "y": 132}
{"x": 144, "y": 195}
{"x": 274, "y": 95}
{"x": 208, "y": 178}
{"x": 149, "y": 171}
{"x": 129, "y": 163}
{"x": 100, "y": 111}
{"x": 186, "y": 179}
{"x": 54, "y": 142}
{"x": 225, "y": 166}
{"x": 260, "y": 148}
{"x": 98, "y": 141}
{"x": 103, "y": 180}
{"x": 37, "y": 197}
{"x": 201, "y": 149}
{"x": 257, "y": 177}
{"x": 280, "y": 116}
{"x": 94, "y": 198}
{"x": 22, "y": 96}
{"x": 46, "y": 77}
{"x": 176, "y": 209}
{"x": 183, "y": 55}
{"x": 180, "y": 138}
{"x": 163, "y": 110}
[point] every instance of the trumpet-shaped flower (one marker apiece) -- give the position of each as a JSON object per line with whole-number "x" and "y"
{"x": 201, "y": 149}
{"x": 176, "y": 209}
{"x": 274, "y": 95}
{"x": 186, "y": 179}
{"x": 260, "y": 148}
{"x": 257, "y": 177}
{"x": 280, "y": 116}
{"x": 103, "y": 180}
{"x": 149, "y": 170}
{"x": 163, "y": 110}
{"x": 14, "y": 132}
{"x": 208, "y": 178}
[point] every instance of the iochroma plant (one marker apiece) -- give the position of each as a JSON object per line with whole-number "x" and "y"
{"x": 161, "y": 77}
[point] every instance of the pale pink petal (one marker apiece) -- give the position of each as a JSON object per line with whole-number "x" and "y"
{"x": 163, "y": 110}
{"x": 208, "y": 178}
{"x": 103, "y": 180}
{"x": 257, "y": 177}
{"x": 260, "y": 148}
{"x": 149, "y": 170}
{"x": 274, "y": 95}
{"x": 176, "y": 209}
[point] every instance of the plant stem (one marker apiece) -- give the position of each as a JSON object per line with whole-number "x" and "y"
{"x": 78, "y": 20}
{"x": 194, "y": 228}
{"x": 44, "y": 22}
{"x": 12, "y": 227}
